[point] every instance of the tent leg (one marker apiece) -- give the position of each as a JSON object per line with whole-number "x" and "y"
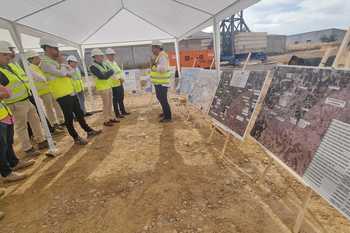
{"x": 17, "y": 39}
{"x": 87, "y": 79}
{"x": 216, "y": 36}
{"x": 178, "y": 61}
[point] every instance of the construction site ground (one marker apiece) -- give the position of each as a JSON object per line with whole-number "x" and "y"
{"x": 141, "y": 176}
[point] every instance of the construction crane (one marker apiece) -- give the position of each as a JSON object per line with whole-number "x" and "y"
{"x": 228, "y": 28}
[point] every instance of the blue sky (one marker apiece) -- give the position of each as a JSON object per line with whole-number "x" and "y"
{"x": 296, "y": 16}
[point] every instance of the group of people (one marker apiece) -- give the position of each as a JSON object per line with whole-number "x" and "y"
{"x": 61, "y": 90}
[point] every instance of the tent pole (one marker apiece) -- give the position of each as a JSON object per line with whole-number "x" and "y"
{"x": 87, "y": 79}
{"x": 18, "y": 41}
{"x": 216, "y": 36}
{"x": 178, "y": 61}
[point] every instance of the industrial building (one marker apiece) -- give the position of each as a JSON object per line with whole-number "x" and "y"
{"x": 327, "y": 35}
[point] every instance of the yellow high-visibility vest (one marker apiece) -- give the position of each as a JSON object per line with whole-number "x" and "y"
{"x": 20, "y": 73}
{"x": 42, "y": 87}
{"x": 159, "y": 78}
{"x": 115, "y": 80}
{"x": 17, "y": 86}
{"x": 60, "y": 86}
{"x": 78, "y": 83}
{"x": 102, "y": 84}
{"x": 4, "y": 111}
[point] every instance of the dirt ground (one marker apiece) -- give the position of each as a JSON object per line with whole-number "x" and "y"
{"x": 144, "y": 177}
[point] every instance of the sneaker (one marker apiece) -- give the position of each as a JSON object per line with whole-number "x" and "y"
{"x": 120, "y": 116}
{"x": 164, "y": 120}
{"x": 108, "y": 124}
{"x": 80, "y": 141}
{"x": 114, "y": 121}
{"x": 43, "y": 145}
{"x": 32, "y": 152}
{"x": 126, "y": 113}
{"x": 23, "y": 164}
{"x": 13, "y": 177}
{"x": 94, "y": 133}
{"x": 2, "y": 215}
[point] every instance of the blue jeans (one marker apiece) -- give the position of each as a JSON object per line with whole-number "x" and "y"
{"x": 8, "y": 158}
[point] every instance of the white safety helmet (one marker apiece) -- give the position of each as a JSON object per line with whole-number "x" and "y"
{"x": 30, "y": 54}
{"x": 110, "y": 51}
{"x": 96, "y": 52}
{"x": 157, "y": 43}
{"x": 72, "y": 58}
{"x": 4, "y": 47}
{"x": 48, "y": 42}
{"x": 8, "y": 44}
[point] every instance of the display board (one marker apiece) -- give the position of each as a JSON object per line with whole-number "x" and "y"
{"x": 305, "y": 123}
{"x": 203, "y": 89}
{"x": 189, "y": 76}
{"x": 236, "y": 98}
{"x": 131, "y": 81}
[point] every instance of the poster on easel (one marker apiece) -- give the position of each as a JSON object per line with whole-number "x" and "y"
{"x": 305, "y": 124}
{"x": 203, "y": 89}
{"x": 189, "y": 76}
{"x": 236, "y": 98}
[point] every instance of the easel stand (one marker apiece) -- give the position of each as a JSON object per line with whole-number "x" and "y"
{"x": 261, "y": 179}
{"x": 301, "y": 215}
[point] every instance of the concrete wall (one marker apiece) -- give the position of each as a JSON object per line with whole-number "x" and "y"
{"x": 315, "y": 37}
{"x": 276, "y": 44}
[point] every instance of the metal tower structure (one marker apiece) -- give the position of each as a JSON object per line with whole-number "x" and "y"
{"x": 228, "y": 27}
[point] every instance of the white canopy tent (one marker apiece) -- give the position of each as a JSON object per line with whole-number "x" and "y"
{"x": 89, "y": 23}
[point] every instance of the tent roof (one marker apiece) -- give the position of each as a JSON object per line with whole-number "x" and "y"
{"x": 91, "y": 22}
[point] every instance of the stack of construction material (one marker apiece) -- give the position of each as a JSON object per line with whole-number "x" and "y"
{"x": 245, "y": 42}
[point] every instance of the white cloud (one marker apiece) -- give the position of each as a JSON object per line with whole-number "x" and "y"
{"x": 297, "y": 16}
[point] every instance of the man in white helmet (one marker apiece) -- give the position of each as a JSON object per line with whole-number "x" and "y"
{"x": 77, "y": 80}
{"x": 103, "y": 75}
{"x": 117, "y": 84}
{"x": 13, "y": 77}
{"x": 60, "y": 82}
{"x": 44, "y": 91}
{"x": 9, "y": 163}
{"x": 160, "y": 77}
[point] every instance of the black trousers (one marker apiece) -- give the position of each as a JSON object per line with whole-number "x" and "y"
{"x": 162, "y": 96}
{"x": 71, "y": 107}
{"x": 118, "y": 100}
{"x": 8, "y": 158}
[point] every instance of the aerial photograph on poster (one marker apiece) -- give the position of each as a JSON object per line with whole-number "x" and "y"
{"x": 235, "y": 99}
{"x": 203, "y": 89}
{"x": 299, "y": 107}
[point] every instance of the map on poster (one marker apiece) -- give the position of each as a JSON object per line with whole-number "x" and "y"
{"x": 305, "y": 122}
{"x": 189, "y": 76}
{"x": 235, "y": 100}
{"x": 131, "y": 83}
{"x": 203, "y": 89}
